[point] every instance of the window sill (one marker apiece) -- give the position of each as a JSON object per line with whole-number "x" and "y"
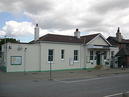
{"x": 75, "y": 61}
{"x": 50, "y": 62}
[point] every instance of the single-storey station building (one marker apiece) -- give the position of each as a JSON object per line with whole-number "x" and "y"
{"x": 62, "y": 52}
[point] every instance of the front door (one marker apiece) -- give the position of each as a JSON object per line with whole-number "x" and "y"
{"x": 98, "y": 56}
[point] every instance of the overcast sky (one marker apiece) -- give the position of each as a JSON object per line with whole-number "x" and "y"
{"x": 18, "y": 17}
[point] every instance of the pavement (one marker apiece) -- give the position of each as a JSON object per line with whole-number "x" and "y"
{"x": 60, "y": 75}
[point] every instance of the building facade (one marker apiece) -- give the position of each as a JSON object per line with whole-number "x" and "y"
{"x": 60, "y": 51}
{"x": 123, "y": 45}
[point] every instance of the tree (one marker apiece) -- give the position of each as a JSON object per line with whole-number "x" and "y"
{"x": 6, "y": 40}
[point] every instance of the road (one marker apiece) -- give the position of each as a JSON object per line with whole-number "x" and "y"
{"x": 95, "y": 87}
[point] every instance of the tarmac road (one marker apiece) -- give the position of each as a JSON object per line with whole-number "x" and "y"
{"x": 83, "y": 87}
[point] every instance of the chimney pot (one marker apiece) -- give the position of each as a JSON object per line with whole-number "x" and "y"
{"x": 76, "y": 29}
{"x": 37, "y": 25}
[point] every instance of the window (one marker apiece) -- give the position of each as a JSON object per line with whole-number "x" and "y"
{"x": 112, "y": 54}
{"x": 91, "y": 55}
{"x": 105, "y": 54}
{"x": 75, "y": 55}
{"x": 62, "y": 54}
{"x": 50, "y": 55}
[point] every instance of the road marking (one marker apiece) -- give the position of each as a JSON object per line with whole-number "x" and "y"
{"x": 61, "y": 81}
{"x": 116, "y": 94}
{"x": 113, "y": 95}
{"x": 90, "y": 79}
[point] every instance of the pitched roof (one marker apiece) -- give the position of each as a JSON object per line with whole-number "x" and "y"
{"x": 114, "y": 41}
{"x": 59, "y": 38}
{"x": 66, "y": 38}
{"x": 87, "y": 38}
{"x": 123, "y": 52}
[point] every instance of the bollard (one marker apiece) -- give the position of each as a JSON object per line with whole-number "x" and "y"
{"x": 125, "y": 95}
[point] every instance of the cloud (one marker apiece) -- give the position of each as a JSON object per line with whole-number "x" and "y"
{"x": 18, "y": 6}
{"x": 63, "y": 16}
{"x": 104, "y": 6}
{"x": 2, "y": 33}
{"x": 13, "y": 28}
{"x": 26, "y": 30}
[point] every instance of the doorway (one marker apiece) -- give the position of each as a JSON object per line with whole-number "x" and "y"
{"x": 98, "y": 57}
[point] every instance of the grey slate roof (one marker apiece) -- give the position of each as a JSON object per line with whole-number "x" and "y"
{"x": 113, "y": 41}
{"x": 123, "y": 52}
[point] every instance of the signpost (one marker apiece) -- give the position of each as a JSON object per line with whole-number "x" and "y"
{"x": 50, "y": 73}
{"x": 25, "y": 61}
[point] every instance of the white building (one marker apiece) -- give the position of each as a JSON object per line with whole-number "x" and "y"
{"x": 63, "y": 52}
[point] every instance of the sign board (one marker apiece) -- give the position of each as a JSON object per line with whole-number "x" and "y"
{"x": 16, "y": 60}
{"x": 70, "y": 61}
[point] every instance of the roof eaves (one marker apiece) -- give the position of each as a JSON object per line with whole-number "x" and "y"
{"x": 59, "y": 42}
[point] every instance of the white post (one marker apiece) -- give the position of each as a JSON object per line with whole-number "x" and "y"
{"x": 50, "y": 67}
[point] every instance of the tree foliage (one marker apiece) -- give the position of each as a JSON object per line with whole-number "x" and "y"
{"x": 7, "y": 40}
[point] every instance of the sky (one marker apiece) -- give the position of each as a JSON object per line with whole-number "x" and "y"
{"x": 18, "y": 17}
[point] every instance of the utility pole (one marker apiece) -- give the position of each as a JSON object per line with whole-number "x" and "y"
{"x": 5, "y": 43}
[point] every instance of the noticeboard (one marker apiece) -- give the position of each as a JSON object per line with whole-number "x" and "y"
{"x": 16, "y": 60}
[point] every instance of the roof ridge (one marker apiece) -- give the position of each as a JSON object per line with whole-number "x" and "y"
{"x": 91, "y": 34}
{"x": 66, "y": 38}
{"x": 58, "y": 35}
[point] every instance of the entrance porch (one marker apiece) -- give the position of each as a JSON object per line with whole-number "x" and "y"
{"x": 98, "y": 55}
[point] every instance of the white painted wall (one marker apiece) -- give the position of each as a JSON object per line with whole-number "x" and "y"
{"x": 98, "y": 41}
{"x": 35, "y": 60}
{"x": 58, "y": 63}
{"x": 35, "y": 56}
{"x": 29, "y": 57}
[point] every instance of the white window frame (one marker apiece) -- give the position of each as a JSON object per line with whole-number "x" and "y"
{"x": 76, "y": 56}
{"x": 62, "y": 54}
{"x": 50, "y": 56}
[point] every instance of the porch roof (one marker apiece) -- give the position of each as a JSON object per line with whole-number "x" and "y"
{"x": 98, "y": 46}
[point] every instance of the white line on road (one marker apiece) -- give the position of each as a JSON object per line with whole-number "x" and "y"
{"x": 113, "y": 95}
{"x": 116, "y": 94}
{"x": 91, "y": 79}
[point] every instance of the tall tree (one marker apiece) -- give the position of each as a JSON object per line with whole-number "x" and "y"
{"x": 6, "y": 40}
